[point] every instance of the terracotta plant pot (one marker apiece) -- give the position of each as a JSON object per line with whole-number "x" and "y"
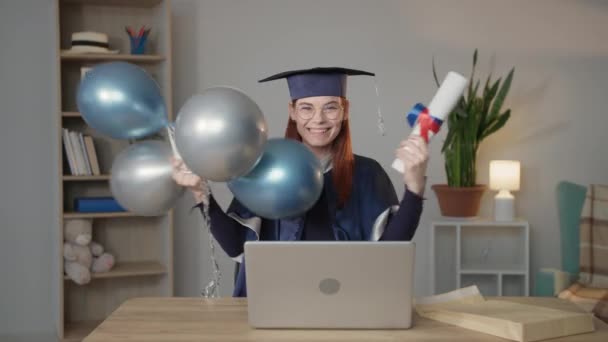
{"x": 459, "y": 201}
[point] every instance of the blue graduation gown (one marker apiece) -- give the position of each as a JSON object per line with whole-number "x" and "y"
{"x": 372, "y": 194}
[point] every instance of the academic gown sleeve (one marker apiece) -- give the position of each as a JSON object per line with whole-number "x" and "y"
{"x": 394, "y": 220}
{"x": 402, "y": 224}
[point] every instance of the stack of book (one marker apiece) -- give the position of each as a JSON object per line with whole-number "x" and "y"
{"x": 80, "y": 153}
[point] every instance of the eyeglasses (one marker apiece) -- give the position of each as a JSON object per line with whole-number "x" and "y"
{"x": 331, "y": 111}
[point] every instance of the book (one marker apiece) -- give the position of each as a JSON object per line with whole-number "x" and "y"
{"x": 87, "y": 164}
{"x": 97, "y": 205}
{"x": 69, "y": 152}
{"x": 79, "y": 157}
{"x": 90, "y": 147}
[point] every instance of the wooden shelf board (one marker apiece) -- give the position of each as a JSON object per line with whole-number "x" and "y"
{"x": 131, "y": 269}
{"x": 494, "y": 272}
{"x": 71, "y": 114}
{"x": 479, "y": 222}
{"x": 69, "y": 178}
{"x": 72, "y": 215}
{"x": 90, "y": 57}
{"x": 77, "y": 331}
{"x": 493, "y": 269}
{"x": 121, "y": 3}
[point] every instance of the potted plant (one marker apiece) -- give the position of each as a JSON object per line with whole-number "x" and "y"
{"x": 475, "y": 117}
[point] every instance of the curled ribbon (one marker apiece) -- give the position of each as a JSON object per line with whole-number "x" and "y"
{"x": 420, "y": 114}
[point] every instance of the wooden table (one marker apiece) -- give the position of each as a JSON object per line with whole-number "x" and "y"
{"x": 225, "y": 319}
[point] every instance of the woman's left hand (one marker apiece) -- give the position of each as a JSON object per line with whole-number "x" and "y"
{"x": 414, "y": 154}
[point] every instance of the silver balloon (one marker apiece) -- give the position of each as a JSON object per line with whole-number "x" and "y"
{"x": 286, "y": 182}
{"x": 220, "y": 133}
{"x": 141, "y": 179}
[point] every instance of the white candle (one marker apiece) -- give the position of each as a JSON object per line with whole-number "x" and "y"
{"x": 441, "y": 105}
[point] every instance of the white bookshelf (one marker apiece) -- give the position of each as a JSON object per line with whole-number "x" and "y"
{"x": 142, "y": 246}
{"x": 493, "y": 255}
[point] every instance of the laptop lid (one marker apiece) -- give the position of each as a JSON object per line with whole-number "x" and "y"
{"x": 332, "y": 284}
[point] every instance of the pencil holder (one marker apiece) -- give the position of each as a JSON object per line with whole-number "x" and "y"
{"x": 138, "y": 45}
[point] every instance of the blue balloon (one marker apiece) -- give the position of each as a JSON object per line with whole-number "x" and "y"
{"x": 122, "y": 101}
{"x": 285, "y": 182}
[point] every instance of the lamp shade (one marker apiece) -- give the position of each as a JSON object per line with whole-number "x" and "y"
{"x": 504, "y": 175}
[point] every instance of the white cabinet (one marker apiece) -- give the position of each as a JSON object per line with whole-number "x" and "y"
{"x": 493, "y": 255}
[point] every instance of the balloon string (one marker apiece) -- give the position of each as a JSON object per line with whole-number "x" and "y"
{"x": 212, "y": 288}
{"x": 381, "y": 126}
{"x": 171, "y": 135}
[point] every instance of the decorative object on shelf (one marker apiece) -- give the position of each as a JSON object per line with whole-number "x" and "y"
{"x": 97, "y": 205}
{"x": 459, "y": 201}
{"x": 138, "y": 41}
{"x": 141, "y": 178}
{"x": 89, "y": 42}
{"x": 82, "y": 255}
{"x": 121, "y": 100}
{"x": 504, "y": 177}
{"x": 220, "y": 133}
{"x": 474, "y": 118}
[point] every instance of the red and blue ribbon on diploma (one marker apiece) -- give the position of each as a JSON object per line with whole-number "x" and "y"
{"x": 420, "y": 115}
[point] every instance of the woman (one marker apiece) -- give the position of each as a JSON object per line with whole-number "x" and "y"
{"x": 358, "y": 201}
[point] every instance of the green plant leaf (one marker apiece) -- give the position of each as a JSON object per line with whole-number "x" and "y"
{"x": 460, "y": 112}
{"x": 475, "y": 117}
{"x": 497, "y": 124}
{"x": 486, "y": 86}
{"x": 488, "y": 96}
{"x": 472, "y": 97}
{"x": 456, "y": 164}
{"x": 474, "y": 58}
{"x": 448, "y": 140}
{"x": 472, "y": 75}
{"x": 476, "y": 88}
{"x": 502, "y": 94}
{"x": 462, "y": 102}
{"x": 452, "y": 129}
{"x": 435, "y": 73}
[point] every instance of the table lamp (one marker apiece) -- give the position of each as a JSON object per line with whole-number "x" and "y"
{"x": 504, "y": 177}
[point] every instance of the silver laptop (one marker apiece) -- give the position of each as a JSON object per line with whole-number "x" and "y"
{"x": 330, "y": 285}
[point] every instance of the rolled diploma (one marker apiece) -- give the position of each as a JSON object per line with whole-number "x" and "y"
{"x": 441, "y": 105}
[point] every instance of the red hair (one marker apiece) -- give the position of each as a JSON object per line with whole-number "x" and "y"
{"x": 343, "y": 158}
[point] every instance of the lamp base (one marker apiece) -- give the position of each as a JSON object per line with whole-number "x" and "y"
{"x": 504, "y": 206}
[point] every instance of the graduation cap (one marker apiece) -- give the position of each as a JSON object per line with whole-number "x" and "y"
{"x": 317, "y": 81}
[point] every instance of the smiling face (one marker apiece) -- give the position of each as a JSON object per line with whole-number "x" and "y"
{"x": 319, "y": 121}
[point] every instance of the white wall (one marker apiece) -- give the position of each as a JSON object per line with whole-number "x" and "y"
{"x": 28, "y": 186}
{"x": 558, "y": 96}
